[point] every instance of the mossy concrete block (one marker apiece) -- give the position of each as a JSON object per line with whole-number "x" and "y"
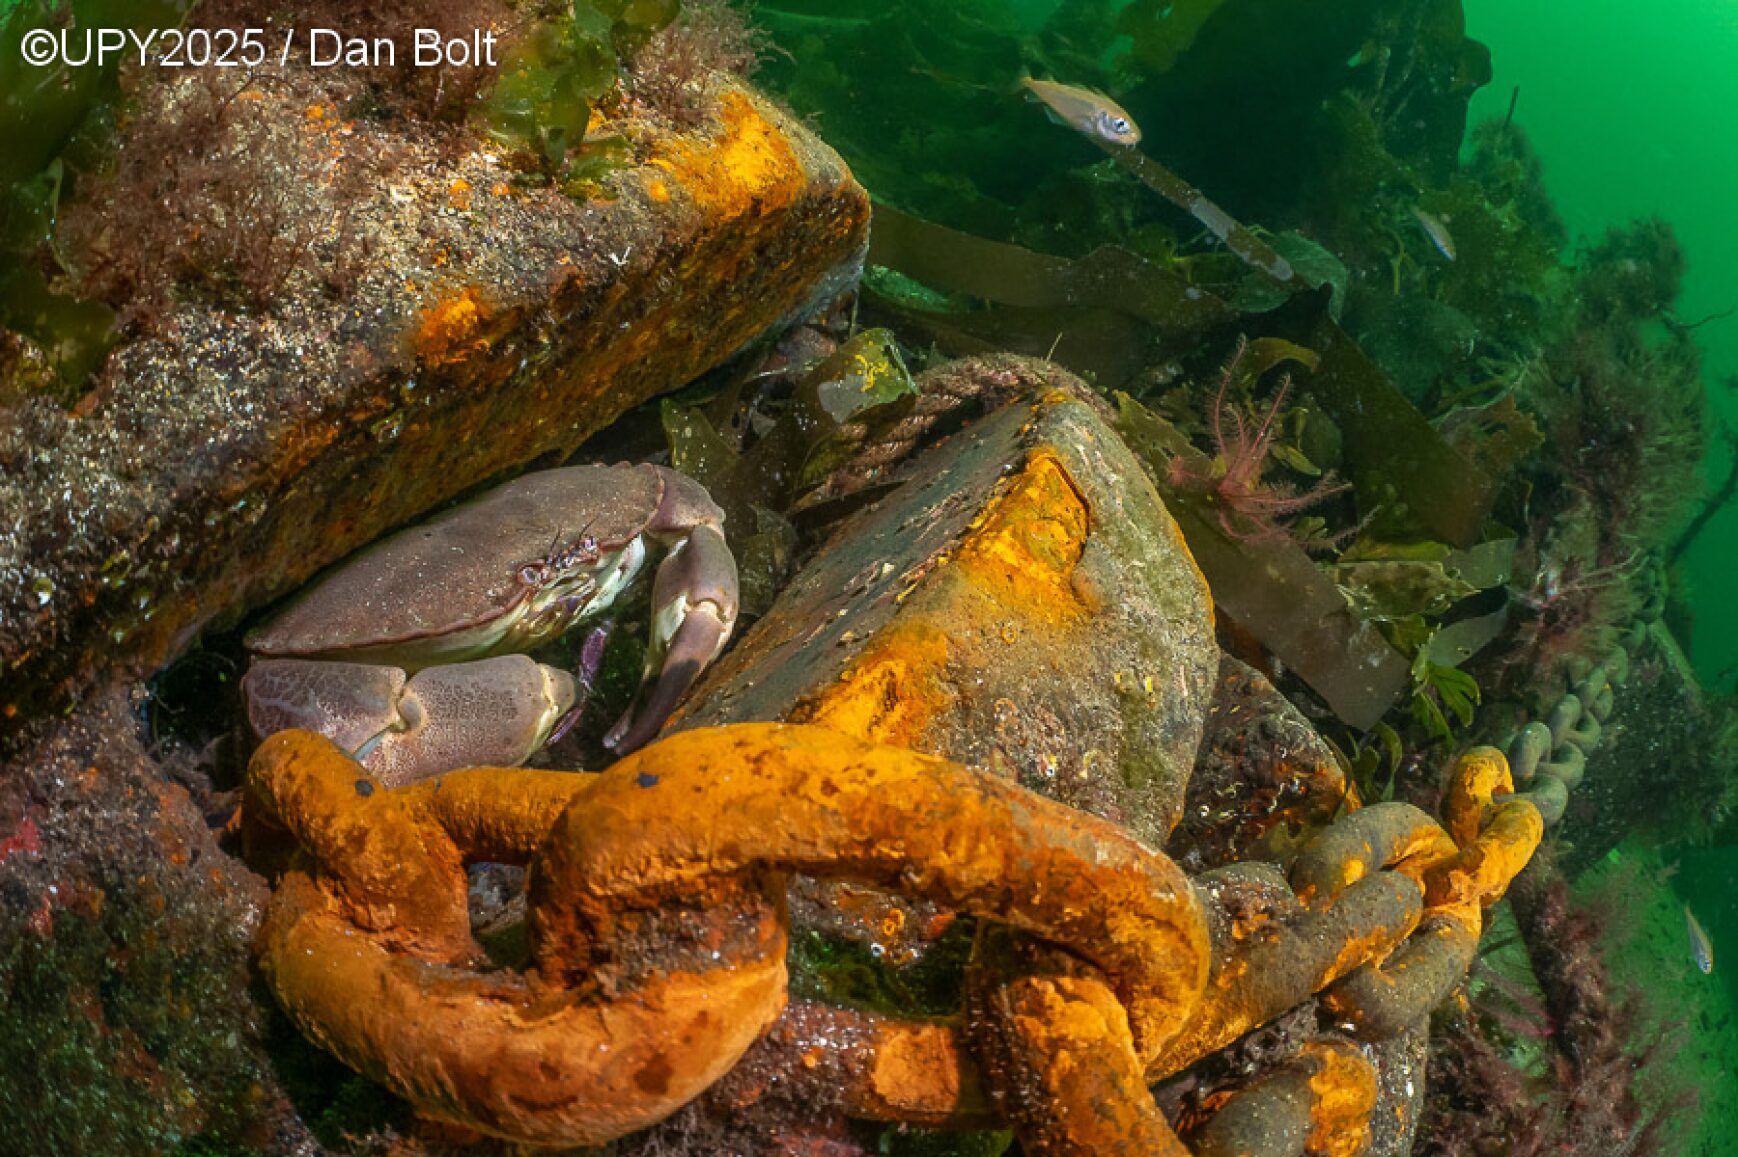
{"x": 1023, "y": 603}
{"x": 225, "y": 459}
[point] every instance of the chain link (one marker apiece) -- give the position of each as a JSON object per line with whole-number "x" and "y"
{"x": 1550, "y": 756}
{"x": 659, "y": 932}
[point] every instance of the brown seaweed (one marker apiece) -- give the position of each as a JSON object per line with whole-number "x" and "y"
{"x": 1099, "y": 314}
{"x": 1387, "y": 441}
{"x": 1272, "y": 589}
{"x": 1233, "y": 234}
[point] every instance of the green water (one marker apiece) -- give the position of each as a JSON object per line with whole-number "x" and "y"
{"x": 1631, "y": 108}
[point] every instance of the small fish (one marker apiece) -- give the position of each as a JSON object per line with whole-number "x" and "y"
{"x": 1435, "y": 229}
{"x": 1089, "y": 112}
{"x": 1368, "y": 53}
{"x": 1701, "y": 949}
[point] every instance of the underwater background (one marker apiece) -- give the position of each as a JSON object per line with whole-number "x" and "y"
{"x": 1521, "y": 211}
{"x": 1631, "y": 116}
{"x": 1631, "y": 111}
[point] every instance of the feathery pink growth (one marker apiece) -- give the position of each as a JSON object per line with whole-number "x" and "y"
{"x": 1249, "y": 509}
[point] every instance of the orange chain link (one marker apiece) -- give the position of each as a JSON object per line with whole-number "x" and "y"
{"x": 659, "y": 933}
{"x": 658, "y": 936}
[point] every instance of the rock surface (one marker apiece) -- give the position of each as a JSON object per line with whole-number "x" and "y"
{"x": 125, "y": 980}
{"x": 219, "y": 464}
{"x": 1264, "y": 780}
{"x": 1023, "y": 603}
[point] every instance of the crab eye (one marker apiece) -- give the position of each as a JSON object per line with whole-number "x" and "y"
{"x": 531, "y": 574}
{"x": 588, "y": 545}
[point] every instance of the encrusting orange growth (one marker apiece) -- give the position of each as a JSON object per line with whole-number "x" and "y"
{"x": 751, "y": 168}
{"x": 1345, "y": 1091}
{"x": 917, "y": 1073}
{"x": 1010, "y": 571}
{"x": 452, "y": 328}
{"x": 1318, "y": 1103}
{"x": 892, "y": 691}
{"x": 1030, "y": 540}
{"x": 1497, "y": 839}
{"x": 1063, "y": 1042}
{"x": 1476, "y": 778}
{"x": 368, "y": 945}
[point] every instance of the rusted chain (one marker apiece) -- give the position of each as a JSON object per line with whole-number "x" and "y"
{"x": 1497, "y": 833}
{"x": 1318, "y": 1104}
{"x": 1489, "y": 841}
{"x": 1058, "y": 1054}
{"x": 1271, "y": 958}
{"x": 658, "y": 936}
{"x": 1386, "y": 977}
{"x": 1550, "y": 756}
{"x": 369, "y": 950}
{"x": 1381, "y": 914}
{"x": 1384, "y": 835}
{"x": 717, "y": 802}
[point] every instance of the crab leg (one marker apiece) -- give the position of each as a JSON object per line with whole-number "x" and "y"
{"x": 590, "y": 659}
{"x": 693, "y": 611}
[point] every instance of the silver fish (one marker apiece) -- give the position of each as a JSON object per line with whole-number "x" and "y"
{"x": 1089, "y": 112}
{"x": 1701, "y": 948}
{"x": 1435, "y": 229}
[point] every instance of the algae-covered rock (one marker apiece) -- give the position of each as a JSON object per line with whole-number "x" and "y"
{"x": 1023, "y": 603}
{"x": 1264, "y": 780}
{"x": 219, "y": 463}
{"x": 124, "y": 959}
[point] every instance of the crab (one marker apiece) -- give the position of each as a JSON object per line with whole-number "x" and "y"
{"x": 409, "y": 654}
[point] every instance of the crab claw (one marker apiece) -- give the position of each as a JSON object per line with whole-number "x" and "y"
{"x": 693, "y": 611}
{"x": 402, "y": 729}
